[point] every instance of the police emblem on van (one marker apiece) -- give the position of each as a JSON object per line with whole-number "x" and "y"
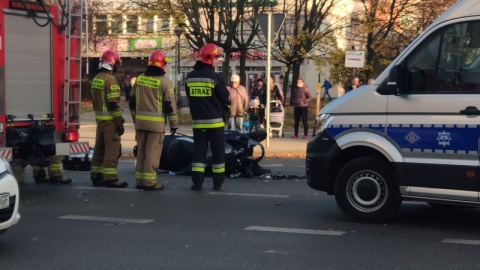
{"x": 412, "y": 137}
{"x": 444, "y": 138}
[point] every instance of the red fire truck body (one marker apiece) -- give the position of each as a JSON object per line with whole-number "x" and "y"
{"x": 40, "y": 78}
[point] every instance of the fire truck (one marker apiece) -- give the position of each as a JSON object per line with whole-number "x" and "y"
{"x": 40, "y": 80}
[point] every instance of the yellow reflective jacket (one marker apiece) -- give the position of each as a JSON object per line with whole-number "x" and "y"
{"x": 150, "y": 93}
{"x": 105, "y": 89}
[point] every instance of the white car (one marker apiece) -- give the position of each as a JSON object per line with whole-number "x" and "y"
{"x": 9, "y": 197}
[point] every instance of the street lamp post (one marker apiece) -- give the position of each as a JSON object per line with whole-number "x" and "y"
{"x": 178, "y": 31}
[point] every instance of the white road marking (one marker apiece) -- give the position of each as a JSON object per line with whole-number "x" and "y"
{"x": 249, "y": 194}
{"x": 108, "y": 219}
{"x": 292, "y": 230}
{"x": 105, "y": 188}
{"x": 272, "y": 165}
{"x": 461, "y": 241}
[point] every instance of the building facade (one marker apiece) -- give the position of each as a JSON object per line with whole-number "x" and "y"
{"x": 134, "y": 35}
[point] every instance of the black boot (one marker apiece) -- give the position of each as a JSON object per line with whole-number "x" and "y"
{"x": 60, "y": 180}
{"x": 115, "y": 184}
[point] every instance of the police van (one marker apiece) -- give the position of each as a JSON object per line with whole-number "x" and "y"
{"x": 414, "y": 134}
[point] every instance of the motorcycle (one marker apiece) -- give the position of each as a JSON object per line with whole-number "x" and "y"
{"x": 243, "y": 153}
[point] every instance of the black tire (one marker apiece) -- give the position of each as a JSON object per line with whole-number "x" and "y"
{"x": 366, "y": 189}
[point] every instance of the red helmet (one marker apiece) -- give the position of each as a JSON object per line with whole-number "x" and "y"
{"x": 110, "y": 57}
{"x": 208, "y": 52}
{"x": 157, "y": 59}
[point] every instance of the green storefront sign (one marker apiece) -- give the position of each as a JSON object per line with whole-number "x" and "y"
{"x": 144, "y": 44}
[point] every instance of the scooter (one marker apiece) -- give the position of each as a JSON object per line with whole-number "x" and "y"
{"x": 243, "y": 153}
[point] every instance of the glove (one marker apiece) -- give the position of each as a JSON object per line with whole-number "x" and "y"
{"x": 120, "y": 130}
{"x": 173, "y": 131}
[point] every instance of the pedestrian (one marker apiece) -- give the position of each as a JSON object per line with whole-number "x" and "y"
{"x": 370, "y": 81}
{"x": 238, "y": 103}
{"x": 127, "y": 87}
{"x": 259, "y": 92}
{"x": 253, "y": 113}
{"x": 354, "y": 84}
{"x": 275, "y": 93}
{"x": 361, "y": 83}
{"x": 109, "y": 119}
{"x": 207, "y": 94}
{"x": 133, "y": 80}
{"x": 301, "y": 98}
{"x": 151, "y": 100}
{"x": 54, "y": 172}
{"x": 326, "y": 85}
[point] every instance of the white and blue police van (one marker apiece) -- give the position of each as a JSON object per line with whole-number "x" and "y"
{"x": 414, "y": 134}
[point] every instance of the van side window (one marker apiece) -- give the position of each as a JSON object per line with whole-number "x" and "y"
{"x": 447, "y": 62}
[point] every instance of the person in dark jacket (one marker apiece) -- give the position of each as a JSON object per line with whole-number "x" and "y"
{"x": 254, "y": 113}
{"x": 300, "y": 99}
{"x": 260, "y": 93}
{"x": 208, "y": 96}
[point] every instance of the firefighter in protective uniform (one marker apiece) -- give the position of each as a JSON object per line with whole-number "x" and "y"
{"x": 54, "y": 172}
{"x": 108, "y": 115}
{"x": 152, "y": 99}
{"x": 208, "y": 98}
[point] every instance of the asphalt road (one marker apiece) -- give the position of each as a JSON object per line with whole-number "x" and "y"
{"x": 254, "y": 223}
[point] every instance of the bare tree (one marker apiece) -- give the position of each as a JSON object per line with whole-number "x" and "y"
{"x": 307, "y": 33}
{"x": 388, "y": 26}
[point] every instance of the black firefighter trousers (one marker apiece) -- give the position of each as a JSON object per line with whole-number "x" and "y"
{"x": 201, "y": 138}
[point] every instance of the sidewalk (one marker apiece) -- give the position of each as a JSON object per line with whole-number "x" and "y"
{"x": 278, "y": 147}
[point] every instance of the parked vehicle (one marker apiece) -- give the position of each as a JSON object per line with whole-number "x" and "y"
{"x": 40, "y": 95}
{"x": 412, "y": 135}
{"x": 9, "y": 197}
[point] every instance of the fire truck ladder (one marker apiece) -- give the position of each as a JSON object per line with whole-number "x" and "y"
{"x": 73, "y": 64}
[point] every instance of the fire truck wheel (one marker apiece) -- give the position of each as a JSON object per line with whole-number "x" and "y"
{"x": 366, "y": 189}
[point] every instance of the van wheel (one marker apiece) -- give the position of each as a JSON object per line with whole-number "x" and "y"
{"x": 365, "y": 189}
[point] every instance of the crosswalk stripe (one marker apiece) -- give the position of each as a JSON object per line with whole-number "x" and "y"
{"x": 111, "y": 189}
{"x": 248, "y": 194}
{"x": 292, "y": 230}
{"x": 108, "y": 219}
{"x": 461, "y": 241}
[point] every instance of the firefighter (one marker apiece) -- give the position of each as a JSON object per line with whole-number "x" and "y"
{"x": 108, "y": 115}
{"x": 152, "y": 99}
{"x": 54, "y": 172}
{"x": 209, "y": 98}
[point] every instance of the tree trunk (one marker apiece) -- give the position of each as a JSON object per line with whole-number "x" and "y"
{"x": 226, "y": 68}
{"x": 370, "y": 56}
{"x": 242, "y": 73}
{"x": 285, "y": 85}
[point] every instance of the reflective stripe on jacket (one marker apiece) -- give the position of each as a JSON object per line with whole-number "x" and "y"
{"x": 150, "y": 94}
{"x": 105, "y": 89}
{"x": 208, "y": 96}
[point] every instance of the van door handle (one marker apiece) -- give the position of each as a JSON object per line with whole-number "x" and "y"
{"x": 470, "y": 110}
